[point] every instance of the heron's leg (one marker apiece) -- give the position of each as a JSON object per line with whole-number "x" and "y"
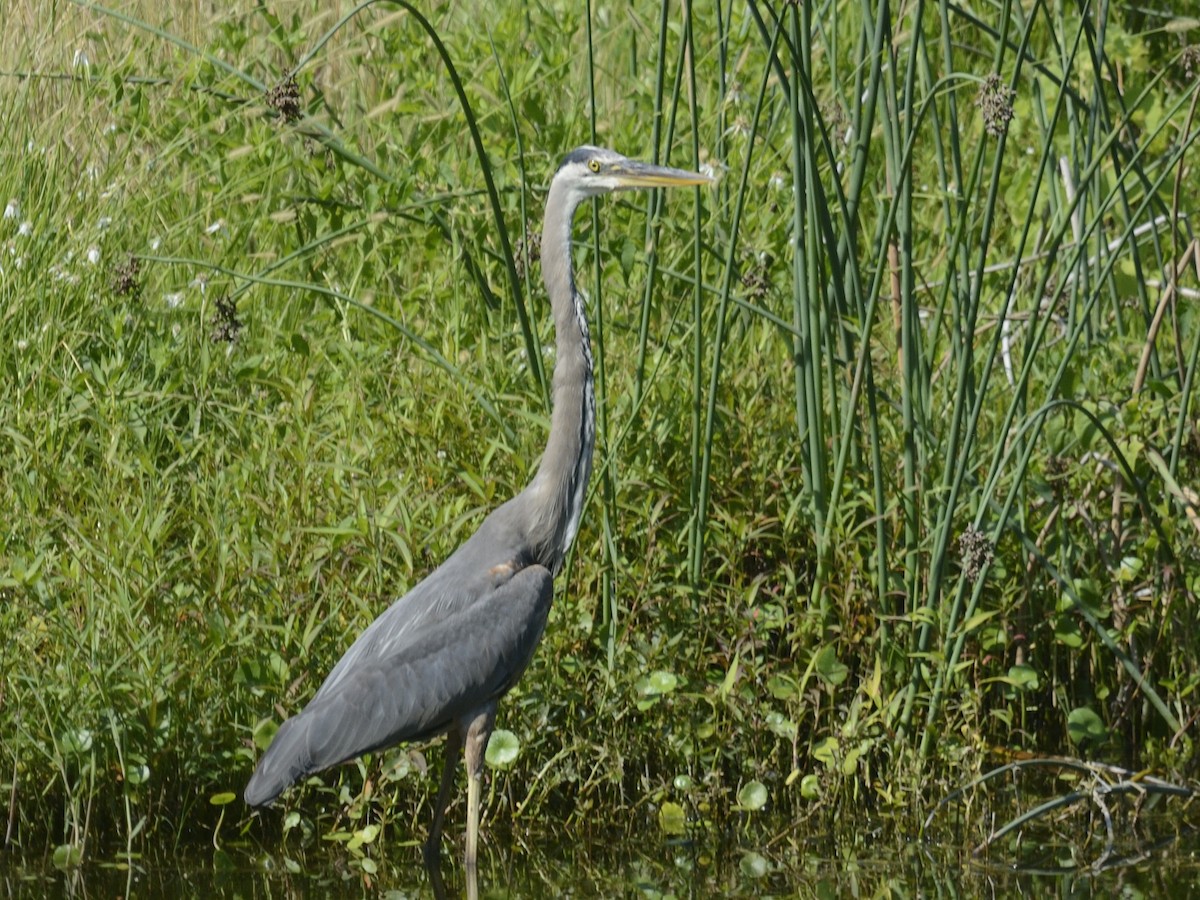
{"x": 479, "y": 729}
{"x": 454, "y": 742}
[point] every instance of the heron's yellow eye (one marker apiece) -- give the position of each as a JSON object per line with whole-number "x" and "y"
{"x": 594, "y": 165}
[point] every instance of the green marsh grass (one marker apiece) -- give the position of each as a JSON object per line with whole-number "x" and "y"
{"x": 897, "y": 446}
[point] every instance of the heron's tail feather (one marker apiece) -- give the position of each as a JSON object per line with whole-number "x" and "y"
{"x": 286, "y": 760}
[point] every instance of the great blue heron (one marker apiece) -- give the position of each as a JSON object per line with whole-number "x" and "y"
{"x": 440, "y": 658}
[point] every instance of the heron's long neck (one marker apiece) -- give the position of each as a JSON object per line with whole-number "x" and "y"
{"x": 559, "y": 488}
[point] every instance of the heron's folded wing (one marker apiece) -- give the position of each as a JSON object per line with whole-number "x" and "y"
{"x": 463, "y": 659}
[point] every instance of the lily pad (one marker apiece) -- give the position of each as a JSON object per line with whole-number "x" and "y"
{"x": 67, "y": 856}
{"x": 672, "y": 819}
{"x": 661, "y": 682}
{"x": 77, "y": 741}
{"x": 1084, "y": 726}
{"x": 1024, "y": 678}
{"x": 825, "y": 750}
{"x": 753, "y": 865}
{"x": 810, "y": 787}
{"x": 502, "y": 749}
{"x": 752, "y": 796}
{"x": 264, "y": 733}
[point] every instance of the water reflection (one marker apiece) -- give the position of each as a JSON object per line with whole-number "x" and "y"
{"x": 649, "y": 868}
{"x": 433, "y": 868}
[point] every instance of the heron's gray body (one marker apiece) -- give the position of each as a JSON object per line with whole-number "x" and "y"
{"x": 455, "y": 643}
{"x": 441, "y": 656}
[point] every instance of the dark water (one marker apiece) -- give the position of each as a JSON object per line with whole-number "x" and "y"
{"x": 653, "y": 869}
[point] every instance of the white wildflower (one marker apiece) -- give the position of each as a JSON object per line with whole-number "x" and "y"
{"x": 216, "y": 226}
{"x": 93, "y": 255}
{"x": 12, "y": 210}
{"x": 81, "y": 61}
{"x": 104, "y": 222}
{"x": 22, "y": 344}
{"x": 26, "y": 229}
{"x": 740, "y": 128}
{"x": 173, "y": 300}
{"x": 155, "y": 243}
{"x": 776, "y": 182}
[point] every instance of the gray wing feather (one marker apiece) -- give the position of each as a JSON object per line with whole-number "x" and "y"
{"x": 457, "y": 584}
{"x": 405, "y": 683}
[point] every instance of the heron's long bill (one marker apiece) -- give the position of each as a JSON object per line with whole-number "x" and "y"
{"x": 633, "y": 174}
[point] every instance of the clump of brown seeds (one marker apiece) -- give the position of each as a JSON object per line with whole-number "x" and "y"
{"x": 528, "y": 254}
{"x": 225, "y": 322}
{"x": 284, "y": 98}
{"x": 125, "y": 281}
{"x": 995, "y": 102}
{"x": 977, "y": 552}
{"x": 1190, "y": 60}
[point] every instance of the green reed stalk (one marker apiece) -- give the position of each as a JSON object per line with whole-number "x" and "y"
{"x": 695, "y": 552}
{"x": 653, "y": 202}
{"x": 1040, "y": 326}
{"x": 740, "y": 198}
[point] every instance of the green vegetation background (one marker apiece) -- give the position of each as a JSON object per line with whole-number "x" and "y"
{"x": 898, "y": 431}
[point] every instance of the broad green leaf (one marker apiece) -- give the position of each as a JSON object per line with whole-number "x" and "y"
{"x": 1066, "y": 632}
{"x": 77, "y": 741}
{"x": 662, "y": 683}
{"x": 672, "y": 819}
{"x": 1023, "y": 678}
{"x": 825, "y": 750}
{"x": 67, "y": 856}
{"x": 752, "y": 796}
{"x": 781, "y": 687}
{"x": 502, "y": 749}
{"x": 264, "y": 733}
{"x": 780, "y": 724}
{"x": 850, "y": 763}
{"x": 828, "y": 668}
{"x": 1083, "y": 725}
{"x": 137, "y": 773}
{"x": 754, "y": 866}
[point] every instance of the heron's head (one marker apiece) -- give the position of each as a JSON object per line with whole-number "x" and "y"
{"x": 591, "y": 171}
